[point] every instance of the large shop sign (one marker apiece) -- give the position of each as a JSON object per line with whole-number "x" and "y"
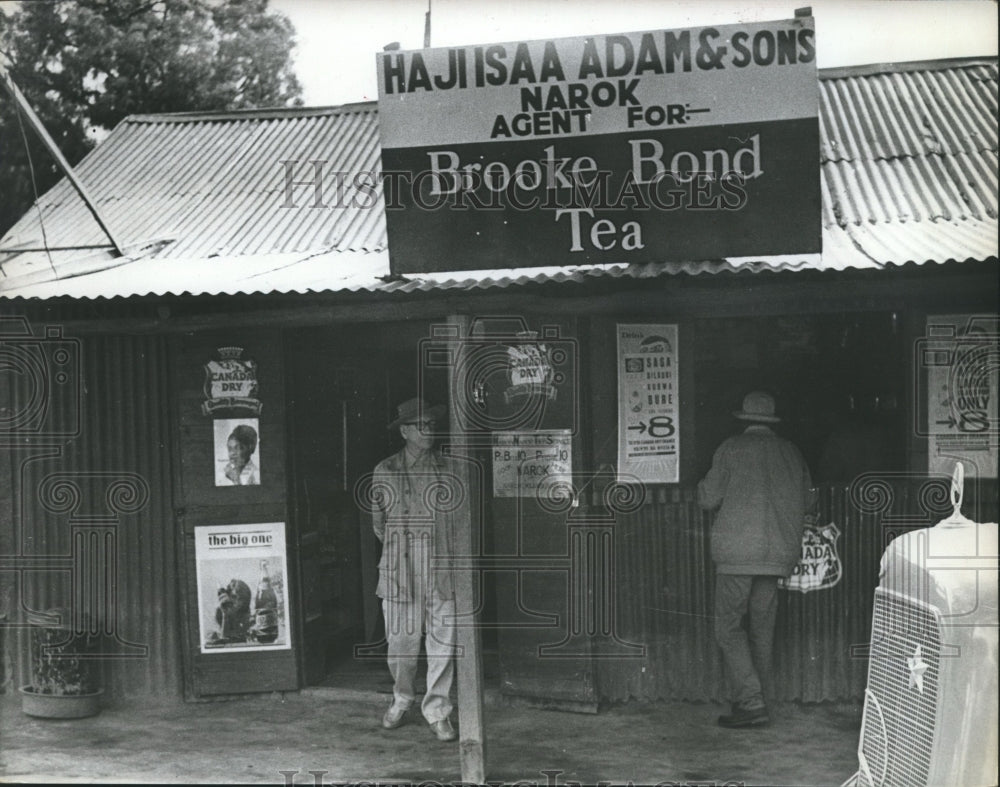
{"x": 689, "y": 144}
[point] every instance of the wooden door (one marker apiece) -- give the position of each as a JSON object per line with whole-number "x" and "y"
{"x": 337, "y": 411}
{"x": 545, "y": 653}
{"x": 234, "y": 642}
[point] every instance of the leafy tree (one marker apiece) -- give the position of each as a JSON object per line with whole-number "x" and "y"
{"x": 84, "y": 65}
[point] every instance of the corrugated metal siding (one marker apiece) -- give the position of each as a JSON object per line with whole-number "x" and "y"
{"x": 665, "y": 585}
{"x": 919, "y": 146}
{"x": 908, "y": 113}
{"x": 663, "y": 603}
{"x": 816, "y": 631}
{"x": 855, "y": 246}
{"x": 909, "y": 164}
{"x": 119, "y": 453}
{"x": 216, "y": 186}
{"x": 908, "y": 170}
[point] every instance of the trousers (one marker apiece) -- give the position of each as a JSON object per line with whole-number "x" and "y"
{"x": 430, "y": 618}
{"x": 746, "y": 652}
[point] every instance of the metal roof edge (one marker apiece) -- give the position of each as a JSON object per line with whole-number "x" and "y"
{"x": 447, "y": 290}
{"x": 902, "y": 67}
{"x": 262, "y": 113}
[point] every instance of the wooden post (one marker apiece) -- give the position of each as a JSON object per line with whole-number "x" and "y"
{"x": 472, "y": 738}
{"x": 43, "y": 134}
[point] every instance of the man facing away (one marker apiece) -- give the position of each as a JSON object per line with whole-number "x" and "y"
{"x": 413, "y": 517}
{"x": 760, "y": 484}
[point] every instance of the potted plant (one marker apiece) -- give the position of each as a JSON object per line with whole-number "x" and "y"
{"x": 64, "y": 676}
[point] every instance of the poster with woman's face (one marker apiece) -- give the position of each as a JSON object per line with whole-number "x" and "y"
{"x": 237, "y": 452}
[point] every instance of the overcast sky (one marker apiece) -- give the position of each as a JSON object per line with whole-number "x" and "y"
{"x": 338, "y": 39}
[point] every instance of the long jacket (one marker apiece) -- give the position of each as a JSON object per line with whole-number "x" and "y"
{"x": 760, "y": 483}
{"x": 414, "y": 516}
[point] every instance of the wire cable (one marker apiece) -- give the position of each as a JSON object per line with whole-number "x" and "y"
{"x": 34, "y": 188}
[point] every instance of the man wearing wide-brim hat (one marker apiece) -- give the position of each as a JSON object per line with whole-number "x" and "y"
{"x": 760, "y": 484}
{"x": 415, "y": 503}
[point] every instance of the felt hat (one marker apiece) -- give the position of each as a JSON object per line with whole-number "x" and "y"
{"x": 758, "y": 406}
{"x": 413, "y": 410}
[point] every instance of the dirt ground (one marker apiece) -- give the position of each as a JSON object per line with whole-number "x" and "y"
{"x": 336, "y": 732}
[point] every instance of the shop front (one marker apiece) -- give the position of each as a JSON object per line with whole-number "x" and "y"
{"x": 592, "y": 561}
{"x": 204, "y": 449}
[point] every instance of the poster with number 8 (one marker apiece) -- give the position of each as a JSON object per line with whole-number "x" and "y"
{"x": 648, "y": 400}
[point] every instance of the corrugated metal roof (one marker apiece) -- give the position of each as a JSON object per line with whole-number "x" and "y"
{"x": 908, "y": 159}
{"x": 912, "y": 145}
{"x": 214, "y": 184}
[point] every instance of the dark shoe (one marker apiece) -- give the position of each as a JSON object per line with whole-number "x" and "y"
{"x": 394, "y": 717}
{"x": 745, "y": 717}
{"x": 443, "y": 730}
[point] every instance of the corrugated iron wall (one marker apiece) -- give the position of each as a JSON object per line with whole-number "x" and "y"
{"x": 664, "y": 584}
{"x": 818, "y": 634}
{"x": 92, "y": 514}
{"x": 662, "y": 575}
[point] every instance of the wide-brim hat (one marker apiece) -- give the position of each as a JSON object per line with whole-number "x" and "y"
{"x": 758, "y": 406}
{"x": 413, "y": 410}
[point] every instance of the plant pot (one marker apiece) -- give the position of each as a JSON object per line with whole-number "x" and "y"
{"x": 65, "y": 680}
{"x": 60, "y": 706}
